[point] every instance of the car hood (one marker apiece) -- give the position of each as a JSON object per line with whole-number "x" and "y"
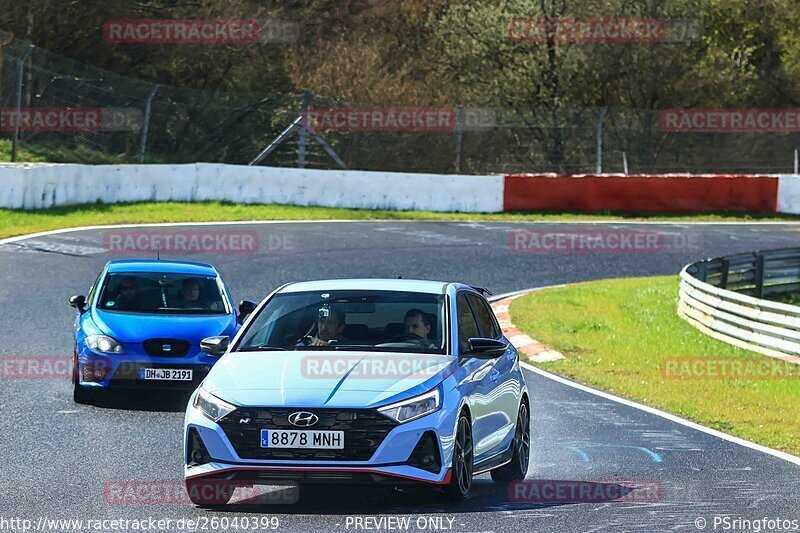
{"x": 131, "y": 327}
{"x": 325, "y": 379}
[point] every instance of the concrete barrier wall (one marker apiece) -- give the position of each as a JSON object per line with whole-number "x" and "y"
{"x": 32, "y": 186}
{"x": 46, "y": 185}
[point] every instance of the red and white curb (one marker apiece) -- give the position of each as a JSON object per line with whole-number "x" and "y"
{"x": 535, "y": 350}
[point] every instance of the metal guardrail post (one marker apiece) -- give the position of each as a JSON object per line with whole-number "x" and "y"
{"x": 723, "y": 279}
{"x": 759, "y": 275}
{"x": 18, "y": 116}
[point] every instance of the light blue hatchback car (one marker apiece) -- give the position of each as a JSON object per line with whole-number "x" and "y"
{"x": 360, "y": 381}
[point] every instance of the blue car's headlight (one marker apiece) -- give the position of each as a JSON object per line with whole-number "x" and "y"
{"x": 212, "y": 407}
{"x": 104, "y": 344}
{"x": 413, "y": 408}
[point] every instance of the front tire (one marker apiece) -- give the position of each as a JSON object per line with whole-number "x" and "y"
{"x": 462, "y": 465}
{"x": 518, "y": 467}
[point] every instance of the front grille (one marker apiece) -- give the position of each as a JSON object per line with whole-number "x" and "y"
{"x": 166, "y": 347}
{"x": 364, "y": 431}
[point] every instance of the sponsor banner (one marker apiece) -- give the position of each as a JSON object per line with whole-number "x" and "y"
{"x": 200, "y": 31}
{"x": 728, "y": 368}
{"x": 731, "y": 120}
{"x": 65, "y": 119}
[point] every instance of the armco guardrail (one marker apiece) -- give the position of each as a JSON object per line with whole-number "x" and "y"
{"x": 723, "y": 297}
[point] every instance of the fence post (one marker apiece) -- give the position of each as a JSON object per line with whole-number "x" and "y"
{"x": 146, "y": 123}
{"x": 459, "y": 134}
{"x": 599, "y": 163}
{"x": 302, "y": 134}
{"x": 625, "y": 163}
{"x": 20, "y": 76}
{"x": 796, "y": 163}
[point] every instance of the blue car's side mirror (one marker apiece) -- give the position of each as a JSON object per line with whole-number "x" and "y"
{"x": 245, "y": 308}
{"x": 78, "y": 302}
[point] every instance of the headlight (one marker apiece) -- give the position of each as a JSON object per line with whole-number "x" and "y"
{"x": 103, "y": 344}
{"x": 413, "y": 408}
{"x": 211, "y": 406}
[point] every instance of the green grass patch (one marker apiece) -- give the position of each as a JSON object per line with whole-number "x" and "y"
{"x": 617, "y": 334}
{"x": 18, "y": 222}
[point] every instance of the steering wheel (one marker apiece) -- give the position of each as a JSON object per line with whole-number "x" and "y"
{"x": 409, "y": 337}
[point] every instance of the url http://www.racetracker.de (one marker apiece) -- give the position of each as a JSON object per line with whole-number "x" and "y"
{"x": 201, "y": 523}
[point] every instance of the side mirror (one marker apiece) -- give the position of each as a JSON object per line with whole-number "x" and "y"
{"x": 78, "y": 302}
{"x": 215, "y": 346}
{"x": 245, "y": 308}
{"x": 481, "y": 348}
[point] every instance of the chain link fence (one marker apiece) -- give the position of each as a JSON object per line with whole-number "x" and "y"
{"x": 55, "y": 109}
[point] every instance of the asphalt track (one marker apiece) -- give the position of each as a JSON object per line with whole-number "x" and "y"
{"x": 57, "y": 456}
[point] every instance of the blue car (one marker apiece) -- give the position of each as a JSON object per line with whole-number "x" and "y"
{"x": 141, "y": 325}
{"x": 360, "y": 381}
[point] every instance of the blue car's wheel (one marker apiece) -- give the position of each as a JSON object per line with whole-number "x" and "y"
{"x": 461, "y": 469}
{"x": 518, "y": 467}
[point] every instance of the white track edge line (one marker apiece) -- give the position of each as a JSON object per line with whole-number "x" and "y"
{"x": 646, "y": 408}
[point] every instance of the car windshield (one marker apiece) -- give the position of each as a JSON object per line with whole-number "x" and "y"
{"x": 349, "y": 320}
{"x": 162, "y": 293}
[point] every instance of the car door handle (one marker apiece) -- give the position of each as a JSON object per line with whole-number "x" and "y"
{"x": 495, "y": 374}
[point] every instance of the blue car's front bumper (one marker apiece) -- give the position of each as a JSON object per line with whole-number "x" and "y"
{"x": 389, "y": 463}
{"x": 123, "y": 371}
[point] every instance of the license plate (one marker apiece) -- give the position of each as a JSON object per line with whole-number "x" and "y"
{"x": 165, "y": 374}
{"x": 303, "y": 438}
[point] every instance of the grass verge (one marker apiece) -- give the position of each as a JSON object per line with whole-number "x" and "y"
{"x": 18, "y": 222}
{"x": 624, "y": 336}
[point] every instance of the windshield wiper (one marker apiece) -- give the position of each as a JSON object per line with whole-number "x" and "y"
{"x": 263, "y": 348}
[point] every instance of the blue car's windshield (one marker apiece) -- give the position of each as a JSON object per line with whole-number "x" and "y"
{"x": 349, "y": 320}
{"x": 162, "y": 293}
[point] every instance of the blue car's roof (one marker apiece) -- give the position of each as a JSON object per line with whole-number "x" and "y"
{"x": 165, "y": 266}
{"x": 405, "y": 285}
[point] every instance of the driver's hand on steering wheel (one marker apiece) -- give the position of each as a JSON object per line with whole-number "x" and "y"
{"x": 314, "y": 341}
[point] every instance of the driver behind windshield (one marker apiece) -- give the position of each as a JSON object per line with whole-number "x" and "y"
{"x": 330, "y": 326}
{"x": 417, "y": 322}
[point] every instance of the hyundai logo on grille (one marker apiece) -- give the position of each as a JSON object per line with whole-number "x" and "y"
{"x": 303, "y": 419}
{"x": 167, "y": 347}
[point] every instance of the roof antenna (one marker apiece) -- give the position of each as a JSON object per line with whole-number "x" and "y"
{"x": 158, "y": 253}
